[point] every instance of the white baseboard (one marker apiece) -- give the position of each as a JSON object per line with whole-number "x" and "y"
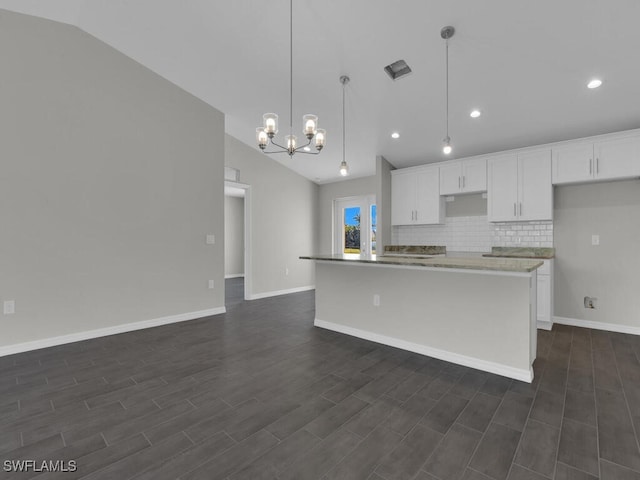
{"x": 611, "y": 327}
{"x": 234, "y": 275}
{"x": 103, "y": 332}
{"x": 275, "y": 293}
{"x": 492, "y": 367}
{"x": 542, "y": 325}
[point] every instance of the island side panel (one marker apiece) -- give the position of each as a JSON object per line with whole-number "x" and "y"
{"x": 482, "y": 320}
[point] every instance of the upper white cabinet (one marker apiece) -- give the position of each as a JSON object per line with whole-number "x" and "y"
{"x": 415, "y": 197}
{"x": 608, "y": 159}
{"x": 519, "y": 187}
{"x": 464, "y": 176}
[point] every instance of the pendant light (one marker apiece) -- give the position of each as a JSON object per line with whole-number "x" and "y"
{"x": 446, "y": 33}
{"x": 266, "y": 133}
{"x": 344, "y": 168}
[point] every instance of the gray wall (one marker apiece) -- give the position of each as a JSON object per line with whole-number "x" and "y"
{"x": 233, "y": 236}
{"x": 328, "y": 192}
{"x": 283, "y": 212}
{"x": 608, "y": 271}
{"x": 110, "y": 178}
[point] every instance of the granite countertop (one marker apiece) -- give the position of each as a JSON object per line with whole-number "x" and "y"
{"x": 466, "y": 263}
{"x": 521, "y": 252}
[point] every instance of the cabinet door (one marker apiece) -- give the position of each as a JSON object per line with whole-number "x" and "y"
{"x": 430, "y": 206}
{"x": 474, "y": 176}
{"x": 543, "y": 302}
{"x": 573, "y": 163}
{"x": 403, "y": 199}
{"x": 450, "y": 179}
{"x": 535, "y": 191}
{"x": 502, "y": 191}
{"x": 618, "y": 158}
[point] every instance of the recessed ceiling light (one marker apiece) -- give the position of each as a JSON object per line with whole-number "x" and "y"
{"x": 395, "y": 135}
{"x": 595, "y": 83}
{"x": 475, "y": 113}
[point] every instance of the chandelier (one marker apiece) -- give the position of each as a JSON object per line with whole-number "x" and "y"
{"x": 265, "y": 134}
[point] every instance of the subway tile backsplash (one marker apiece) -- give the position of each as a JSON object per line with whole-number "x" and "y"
{"x": 476, "y": 234}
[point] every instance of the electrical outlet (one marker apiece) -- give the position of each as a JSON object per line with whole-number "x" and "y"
{"x": 450, "y": 198}
{"x": 9, "y": 307}
{"x": 376, "y": 300}
{"x": 286, "y": 271}
{"x": 212, "y": 284}
{"x": 211, "y": 239}
{"x": 595, "y": 239}
{"x": 590, "y": 302}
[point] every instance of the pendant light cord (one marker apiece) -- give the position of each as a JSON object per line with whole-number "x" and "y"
{"x": 447, "y": 76}
{"x": 291, "y": 67}
{"x": 344, "y": 138}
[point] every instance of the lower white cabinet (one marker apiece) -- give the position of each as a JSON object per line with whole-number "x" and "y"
{"x": 544, "y": 302}
{"x": 415, "y": 197}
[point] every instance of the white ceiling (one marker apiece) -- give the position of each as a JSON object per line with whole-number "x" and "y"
{"x": 525, "y": 64}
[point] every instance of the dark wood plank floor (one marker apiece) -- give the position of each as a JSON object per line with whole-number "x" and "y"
{"x": 259, "y": 393}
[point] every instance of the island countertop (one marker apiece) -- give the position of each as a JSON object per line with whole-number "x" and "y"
{"x": 465, "y": 263}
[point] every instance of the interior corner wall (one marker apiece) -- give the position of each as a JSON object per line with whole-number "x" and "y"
{"x": 110, "y": 178}
{"x": 233, "y": 236}
{"x": 383, "y": 199}
{"x": 608, "y": 271}
{"x": 283, "y": 212}
{"x": 328, "y": 192}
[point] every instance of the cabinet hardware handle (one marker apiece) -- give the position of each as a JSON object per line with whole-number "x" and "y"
{"x": 514, "y": 209}
{"x": 416, "y": 215}
{"x": 590, "y": 166}
{"x": 597, "y": 165}
{"x": 458, "y": 181}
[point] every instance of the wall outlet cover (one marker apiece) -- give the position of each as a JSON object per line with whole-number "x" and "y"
{"x": 9, "y": 307}
{"x": 211, "y": 239}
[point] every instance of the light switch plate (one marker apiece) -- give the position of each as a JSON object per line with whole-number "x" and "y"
{"x": 595, "y": 239}
{"x": 211, "y": 239}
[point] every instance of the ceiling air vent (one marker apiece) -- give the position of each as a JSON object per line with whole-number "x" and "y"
{"x": 397, "y": 69}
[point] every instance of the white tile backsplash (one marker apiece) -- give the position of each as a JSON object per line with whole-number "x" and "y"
{"x": 475, "y": 234}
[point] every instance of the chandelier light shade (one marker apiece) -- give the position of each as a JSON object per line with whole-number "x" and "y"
{"x": 344, "y": 168}
{"x": 266, "y": 133}
{"x": 446, "y": 33}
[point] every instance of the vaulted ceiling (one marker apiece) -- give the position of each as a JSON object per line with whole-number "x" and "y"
{"x": 524, "y": 64}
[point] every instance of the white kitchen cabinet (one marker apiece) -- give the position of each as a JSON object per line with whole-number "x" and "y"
{"x": 464, "y": 176}
{"x": 588, "y": 161}
{"x": 544, "y": 303}
{"x": 415, "y": 197}
{"x": 519, "y": 187}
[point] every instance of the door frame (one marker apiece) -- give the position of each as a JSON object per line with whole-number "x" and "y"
{"x": 248, "y": 283}
{"x": 362, "y": 201}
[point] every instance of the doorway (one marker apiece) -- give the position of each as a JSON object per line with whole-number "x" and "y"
{"x": 237, "y": 242}
{"x": 355, "y": 226}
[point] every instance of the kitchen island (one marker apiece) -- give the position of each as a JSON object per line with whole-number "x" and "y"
{"x": 478, "y": 312}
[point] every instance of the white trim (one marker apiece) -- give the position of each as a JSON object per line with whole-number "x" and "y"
{"x": 275, "y": 293}
{"x": 492, "y": 367}
{"x": 103, "y": 332}
{"x": 234, "y": 275}
{"x": 611, "y": 327}
{"x": 544, "y": 325}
